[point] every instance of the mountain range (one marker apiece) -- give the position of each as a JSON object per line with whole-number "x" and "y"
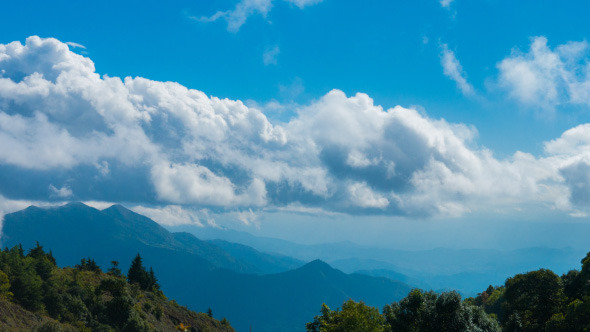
{"x": 468, "y": 271}
{"x": 253, "y": 289}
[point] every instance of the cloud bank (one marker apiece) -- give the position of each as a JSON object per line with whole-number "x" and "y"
{"x": 159, "y": 143}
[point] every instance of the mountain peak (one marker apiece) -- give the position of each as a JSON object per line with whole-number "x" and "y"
{"x": 76, "y": 205}
{"x": 317, "y": 265}
{"x": 116, "y": 207}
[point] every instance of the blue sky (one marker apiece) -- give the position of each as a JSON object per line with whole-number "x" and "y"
{"x": 467, "y": 109}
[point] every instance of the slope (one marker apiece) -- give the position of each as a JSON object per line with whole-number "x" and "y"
{"x": 197, "y": 274}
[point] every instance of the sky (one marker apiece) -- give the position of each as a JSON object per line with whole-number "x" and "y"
{"x": 311, "y": 120}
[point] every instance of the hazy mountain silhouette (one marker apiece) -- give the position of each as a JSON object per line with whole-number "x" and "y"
{"x": 196, "y": 273}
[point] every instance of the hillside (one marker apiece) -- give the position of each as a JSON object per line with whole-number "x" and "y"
{"x": 36, "y": 295}
{"x": 197, "y": 274}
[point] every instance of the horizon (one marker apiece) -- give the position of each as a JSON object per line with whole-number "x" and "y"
{"x": 422, "y": 125}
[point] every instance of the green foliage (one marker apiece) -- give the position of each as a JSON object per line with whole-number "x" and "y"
{"x": 88, "y": 264}
{"x": 5, "y": 286}
{"x": 535, "y": 296}
{"x": 353, "y": 317}
{"x": 428, "y": 311}
{"x": 542, "y": 301}
{"x": 85, "y": 299}
{"x": 138, "y": 274}
{"x": 114, "y": 270}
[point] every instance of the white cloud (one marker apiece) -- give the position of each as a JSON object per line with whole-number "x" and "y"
{"x": 338, "y": 154}
{"x": 236, "y": 17}
{"x": 248, "y": 217}
{"x": 446, "y": 3}
{"x": 453, "y": 70}
{"x": 270, "y": 55}
{"x": 63, "y": 192}
{"x": 195, "y": 184}
{"x": 75, "y": 45}
{"x": 361, "y": 195}
{"x": 546, "y": 78}
{"x": 170, "y": 215}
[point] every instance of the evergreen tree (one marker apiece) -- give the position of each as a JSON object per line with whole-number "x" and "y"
{"x": 137, "y": 273}
{"x": 153, "y": 281}
{"x": 88, "y": 264}
{"x": 114, "y": 269}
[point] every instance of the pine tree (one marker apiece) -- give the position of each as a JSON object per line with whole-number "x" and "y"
{"x": 114, "y": 269}
{"x": 137, "y": 273}
{"x": 153, "y": 281}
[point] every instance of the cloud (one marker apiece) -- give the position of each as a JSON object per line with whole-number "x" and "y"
{"x": 169, "y": 215}
{"x": 546, "y": 77}
{"x": 248, "y": 217}
{"x": 446, "y": 3}
{"x": 63, "y": 192}
{"x": 269, "y": 57}
{"x": 153, "y": 144}
{"x": 453, "y": 70}
{"x": 75, "y": 45}
{"x": 238, "y": 16}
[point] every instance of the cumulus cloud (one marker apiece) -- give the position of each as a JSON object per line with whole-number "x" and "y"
{"x": 183, "y": 150}
{"x": 453, "y": 70}
{"x": 236, "y": 17}
{"x": 546, "y": 77}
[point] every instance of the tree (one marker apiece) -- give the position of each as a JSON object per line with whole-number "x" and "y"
{"x": 534, "y": 296}
{"x": 114, "y": 269}
{"x": 5, "y": 286}
{"x": 354, "y": 317}
{"x": 138, "y": 274}
{"x": 88, "y": 264}
{"x": 428, "y": 311}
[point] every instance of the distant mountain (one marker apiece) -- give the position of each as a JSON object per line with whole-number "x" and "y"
{"x": 436, "y": 269}
{"x": 285, "y": 301}
{"x": 116, "y": 231}
{"x": 196, "y": 273}
{"x": 269, "y": 263}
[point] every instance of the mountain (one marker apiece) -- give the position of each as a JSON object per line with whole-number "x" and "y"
{"x": 269, "y": 263}
{"x": 285, "y": 301}
{"x": 197, "y": 273}
{"x": 466, "y": 270}
{"x": 116, "y": 231}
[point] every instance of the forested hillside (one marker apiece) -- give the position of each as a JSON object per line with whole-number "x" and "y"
{"x": 37, "y": 295}
{"x": 535, "y": 301}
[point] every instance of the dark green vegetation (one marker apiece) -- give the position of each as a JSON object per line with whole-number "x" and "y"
{"x": 201, "y": 275}
{"x": 530, "y": 302}
{"x": 418, "y": 312}
{"x": 541, "y": 301}
{"x": 36, "y": 295}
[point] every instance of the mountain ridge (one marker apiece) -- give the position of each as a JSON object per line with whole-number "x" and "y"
{"x": 188, "y": 275}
